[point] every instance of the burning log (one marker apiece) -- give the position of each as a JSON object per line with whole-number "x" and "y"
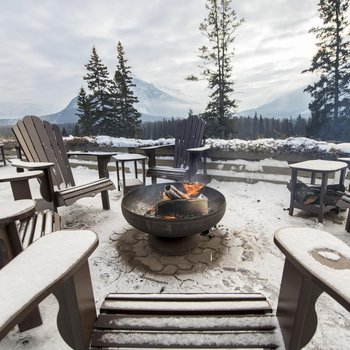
{"x": 177, "y": 203}
{"x": 173, "y": 193}
{"x": 183, "y": 207}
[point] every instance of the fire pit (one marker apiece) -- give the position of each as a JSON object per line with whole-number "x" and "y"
{"x": 173, "y": 234}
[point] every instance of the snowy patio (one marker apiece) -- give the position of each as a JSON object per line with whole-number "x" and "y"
{"x": 238, "y": 255}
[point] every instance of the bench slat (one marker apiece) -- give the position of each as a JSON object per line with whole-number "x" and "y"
{"x": 184, "y": 307}
{"x": 29, "y": 231}
{"x": 172, "y": 348}
{"x": 48, "y": 222}
{"x": 185, "y": 339}
{"x": 185, "y": 297}
{"x": 210, "y": 322}
{"x": 186, "y": 321}
{"x": 39, "y": 225}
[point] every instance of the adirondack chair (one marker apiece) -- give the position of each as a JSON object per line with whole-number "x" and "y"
{"x": 42, "y": 145}
{"x": 188, "y": 148}
{"x": 176, "y": 321}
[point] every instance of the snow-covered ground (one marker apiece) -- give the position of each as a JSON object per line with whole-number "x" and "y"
{"x": 239, "y": 255}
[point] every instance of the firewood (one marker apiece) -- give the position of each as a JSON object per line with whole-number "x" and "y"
{"x": 174, "y": 193}
{"x": 183, "y": 207}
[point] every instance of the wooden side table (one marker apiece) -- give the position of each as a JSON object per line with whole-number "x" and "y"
{"x": 130, "y": 183}
{"x": 325, "y": 168}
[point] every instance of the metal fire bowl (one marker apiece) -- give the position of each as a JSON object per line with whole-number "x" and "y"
{"x": 148, "y": 196}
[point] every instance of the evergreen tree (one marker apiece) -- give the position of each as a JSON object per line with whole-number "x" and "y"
{"x": 219, "y": 27}
{"x": 330, "y": 92}
{"x": 127, "y": 118}
{"x": 85, "y": 122}
{"x": 99, "y": 83}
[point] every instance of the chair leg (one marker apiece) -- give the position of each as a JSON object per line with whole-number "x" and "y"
{"x": 3, "y": 155}
{"x": 296, "y": 308}
{"x": 105, "y": 200}
{"x": 347, "y": 226}
{"x": 77, "y": 312}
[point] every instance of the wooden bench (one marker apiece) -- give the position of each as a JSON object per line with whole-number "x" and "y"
{"x": 58, "y": 264}
{"x": 194, "y": 321}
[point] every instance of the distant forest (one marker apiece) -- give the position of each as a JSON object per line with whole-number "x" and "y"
{"x": 239, "y": 127}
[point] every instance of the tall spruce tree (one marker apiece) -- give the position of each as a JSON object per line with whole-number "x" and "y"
{"x": 85, "y": 121}
{"x": 123, "y": 98}
{"x": 219, "y": 28}
{"x": 99, "y": 83}
{"x": 330, "y": 94}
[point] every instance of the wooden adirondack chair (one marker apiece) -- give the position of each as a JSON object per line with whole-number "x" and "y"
{"x": 42, "y": 144}
{"x": 176, "y": 321}
{"x": 188, "y": 148}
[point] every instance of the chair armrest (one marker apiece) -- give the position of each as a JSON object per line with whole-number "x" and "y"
{"x": 103, "y": 159}
{"x": 316, "y": 262}
{"x": 156, "y": 147}
{"x": 327, "y": 267}
{"x": 31, "y": 165}
{"x": 91, "y": 154}
{"x": 199, "y": 149}
{"x": 151, "y": 153}
{"x": 39, "y": 270}
{"x": 22, "y": 176}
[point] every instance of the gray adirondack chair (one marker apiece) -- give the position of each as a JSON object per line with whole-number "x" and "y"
{"x": 176, "y": 321}
{"x": 42, "y": 145}
{"x": 188, "y": 148}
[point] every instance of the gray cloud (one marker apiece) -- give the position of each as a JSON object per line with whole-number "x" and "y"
{"x": 46, "y": 44}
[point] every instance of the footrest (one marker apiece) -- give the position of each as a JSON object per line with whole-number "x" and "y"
{"x": 185, "y": 321}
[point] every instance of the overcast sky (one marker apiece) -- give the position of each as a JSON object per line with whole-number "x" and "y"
{"x": 45, "y": 44}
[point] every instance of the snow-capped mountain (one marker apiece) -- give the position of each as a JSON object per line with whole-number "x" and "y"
{"x": 154, "y": 104}
{"x": 290, "y": 104}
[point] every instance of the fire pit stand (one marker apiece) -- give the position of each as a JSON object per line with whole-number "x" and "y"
{"x": 174, "y": 236}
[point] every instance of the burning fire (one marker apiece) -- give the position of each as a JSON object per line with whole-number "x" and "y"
{"x": 169, "y": 217}
{"x": 190, "y": 192}
{"x": 192, "y": 189}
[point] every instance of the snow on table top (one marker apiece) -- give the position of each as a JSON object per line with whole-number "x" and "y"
{"x": 129, "y": 156}
{"x": 14, "y": 209}
{"x": 319, "y": 165}
{"x": 91, "y": 153}
{"x": 39, "y": 266}
{"x": 304, "y": 244}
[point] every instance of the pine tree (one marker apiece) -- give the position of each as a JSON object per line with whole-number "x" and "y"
{"x": 99, "y": 83}
{"x": 219, "y": 27}
{"x": 330, "y": 93}
{"x": 127, "y": 117}
{"x": 85, "y": 122}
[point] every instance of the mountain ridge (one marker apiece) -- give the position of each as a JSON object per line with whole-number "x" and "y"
{"x": 156, "y": 103}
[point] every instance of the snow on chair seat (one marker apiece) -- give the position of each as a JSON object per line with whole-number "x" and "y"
{"x": 195, "y": 321}
{"x": 56, "y": 263}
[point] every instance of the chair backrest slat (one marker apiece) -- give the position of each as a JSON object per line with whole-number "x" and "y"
{"x": 39, "y": 144}
{"x": 188, "y": 134}
{"x": 59, "y": 150}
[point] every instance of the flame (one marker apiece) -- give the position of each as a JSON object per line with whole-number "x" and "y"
{"x": 169, "y": 217}
{"x": 192, "y": 189}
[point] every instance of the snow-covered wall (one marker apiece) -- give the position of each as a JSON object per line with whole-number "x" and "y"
{"x": 295, "y": 145}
